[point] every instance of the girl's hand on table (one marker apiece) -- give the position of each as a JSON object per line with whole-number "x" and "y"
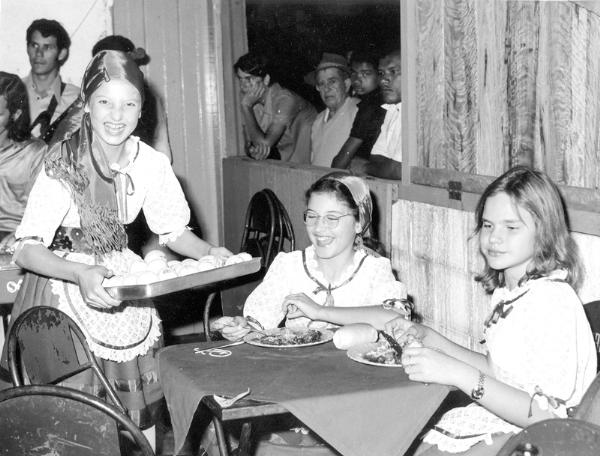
{"x": 299, "y": 305}
{"x": 428, "y": 365}
{"x": 89, "y": 279}
{"x": 236, "y": 329}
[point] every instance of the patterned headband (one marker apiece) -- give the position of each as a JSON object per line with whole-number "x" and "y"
{"x": 361, "y": 196}
{"x": 108, "y": 65}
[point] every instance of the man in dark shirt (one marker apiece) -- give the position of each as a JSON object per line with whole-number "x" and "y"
{"x": 356, "y": 151}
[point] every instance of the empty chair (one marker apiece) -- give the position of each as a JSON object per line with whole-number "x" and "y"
{"x": 284, "y": 231}
{"x": 261, "y": 225}
{"x": 589, "y": 407}
{"x": 45, "y": 346}
{"x": 592, "y": 312}
{"x": 61, "y": 421}
{"x": 555, "y": 437}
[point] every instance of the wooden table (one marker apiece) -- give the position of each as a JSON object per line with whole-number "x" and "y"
{"x": 356, "y": 408}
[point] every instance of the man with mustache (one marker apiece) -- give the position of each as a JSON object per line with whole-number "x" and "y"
{"x": 47, "y": 48}
{"x": 386, "y": 155}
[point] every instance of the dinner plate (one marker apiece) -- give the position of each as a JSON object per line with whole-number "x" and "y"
{"x": 357, "y": 353}
{"x": 253, "y": 338}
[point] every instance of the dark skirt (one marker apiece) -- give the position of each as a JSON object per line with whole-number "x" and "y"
{"x": 135, "y": 381}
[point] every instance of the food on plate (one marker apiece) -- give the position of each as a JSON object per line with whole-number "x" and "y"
{"x": 354, "y": 334}
{"x": 289, "y": 336}
{"x": 382, "y": 354}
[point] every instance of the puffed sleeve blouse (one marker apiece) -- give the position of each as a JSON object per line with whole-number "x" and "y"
{"x": 151, "y": 186}
{"x": 368, "y": 281}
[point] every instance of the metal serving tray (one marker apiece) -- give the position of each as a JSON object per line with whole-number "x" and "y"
{"x": 199, "y": 279}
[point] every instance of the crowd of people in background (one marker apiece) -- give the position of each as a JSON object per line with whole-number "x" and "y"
{"x": 359, "y": 129}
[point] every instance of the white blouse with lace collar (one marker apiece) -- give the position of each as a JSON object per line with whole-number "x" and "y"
{"x": 153, "y": 187}
{"x": 371, "y": 284}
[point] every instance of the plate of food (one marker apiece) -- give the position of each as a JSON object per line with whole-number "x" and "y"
{"x": 288, "y": 337}
{"x": 375, "y": 353}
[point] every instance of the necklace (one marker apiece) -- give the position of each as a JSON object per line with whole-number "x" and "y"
{"x": 328, "y": 289}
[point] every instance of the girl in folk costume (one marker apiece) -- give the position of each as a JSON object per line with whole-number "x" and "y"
{"x": 540, "y": 355}
{"x": 336, "y": 280}
{"x": 72, "y": 233}
{"x": 20, "y": 156}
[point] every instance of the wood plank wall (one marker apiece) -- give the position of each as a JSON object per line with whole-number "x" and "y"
{"x": 192, "y": 46}
{"x": 505, "y": 83}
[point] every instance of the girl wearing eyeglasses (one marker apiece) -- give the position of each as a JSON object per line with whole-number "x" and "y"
{"x": 337, "y": 280}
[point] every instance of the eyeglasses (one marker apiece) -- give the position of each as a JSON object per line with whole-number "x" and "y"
{"x": 329, "y": 220}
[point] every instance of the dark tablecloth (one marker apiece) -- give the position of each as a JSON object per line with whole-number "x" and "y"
{"x": 358, "y": 409}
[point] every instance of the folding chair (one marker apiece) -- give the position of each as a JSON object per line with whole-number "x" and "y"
{"x": 56, "y": 420}
{"x": 592, "y": 312}
{"x": 267, "y": 231}
{"x": 43, "y": 349}
{"x": 555, "y": 437}
{"x": 589, "y": 407}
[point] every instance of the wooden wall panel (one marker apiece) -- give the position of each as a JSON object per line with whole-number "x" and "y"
{"x": 434, "y": 257}
{"x": 430, "y": 86}
{"x": 192, "y": 45}
{"x": 520, "y": 85}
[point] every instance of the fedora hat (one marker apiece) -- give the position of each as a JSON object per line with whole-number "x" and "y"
{"x": 328, "y": 60}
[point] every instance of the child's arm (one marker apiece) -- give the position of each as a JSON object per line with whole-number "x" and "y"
{"x": 401, "y": 328}
{"x": 509, "y": 403}
{"x": 190, "y": 245}
{"x": 300, "y": 305}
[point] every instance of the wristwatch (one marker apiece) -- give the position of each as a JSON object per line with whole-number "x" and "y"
{"x": 477, "y": 393}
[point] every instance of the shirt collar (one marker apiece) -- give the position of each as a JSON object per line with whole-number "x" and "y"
{"x": 54, "y": 88}
{"x": 392, "y": 107}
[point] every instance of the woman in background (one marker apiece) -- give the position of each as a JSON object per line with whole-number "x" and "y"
{"x": 20, "y": 156}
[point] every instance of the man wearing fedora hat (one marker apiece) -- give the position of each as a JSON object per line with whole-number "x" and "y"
{"x": 332, "y": 126}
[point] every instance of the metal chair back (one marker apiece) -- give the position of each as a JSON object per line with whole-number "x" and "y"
{"x": 589, "y": 407}
{"x": 45, "y": 347}
{"x": 56, "y": 420}
{"x": 555, "y": 437}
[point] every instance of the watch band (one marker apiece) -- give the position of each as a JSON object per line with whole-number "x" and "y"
{"x": 477, "y": 393}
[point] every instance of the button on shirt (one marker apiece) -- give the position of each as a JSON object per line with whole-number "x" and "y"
{"x": 40, "y": 102}
{"x": 389, "y": 142}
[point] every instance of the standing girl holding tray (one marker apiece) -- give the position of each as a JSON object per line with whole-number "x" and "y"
{"x": 72, "y": 235}
{"x": 540, "y": 355}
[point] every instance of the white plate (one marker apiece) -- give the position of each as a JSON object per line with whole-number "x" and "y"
{"x": 357, "y": 353}
{"x": 253, "y": 338}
